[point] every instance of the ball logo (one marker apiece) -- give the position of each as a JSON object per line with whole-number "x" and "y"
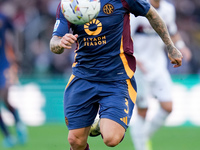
{"x": 108, "y": 9}
{"x": 94, "y": 27}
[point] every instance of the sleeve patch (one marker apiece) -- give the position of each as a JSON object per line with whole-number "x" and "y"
{"x": 56, "y": 25}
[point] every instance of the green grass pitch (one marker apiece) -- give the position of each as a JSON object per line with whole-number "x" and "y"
{"x": 54, "y": 137}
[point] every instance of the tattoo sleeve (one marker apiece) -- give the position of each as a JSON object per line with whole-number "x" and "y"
{"x": 54, "y": 45}
{"x": 159, "y": 26}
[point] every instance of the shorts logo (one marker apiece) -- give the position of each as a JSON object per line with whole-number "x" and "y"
{"x": 108, "y": 9}
{"x": 66, "y": 121}
{"x": 95, "y": 23}
{"x": 125, "y": 120}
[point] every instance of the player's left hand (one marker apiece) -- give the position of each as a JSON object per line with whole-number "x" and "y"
{"x": 175, "y": 56}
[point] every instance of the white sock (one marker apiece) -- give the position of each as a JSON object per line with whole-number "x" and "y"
{"x": 151, "y": 126}
{"x": 137, "y": 134}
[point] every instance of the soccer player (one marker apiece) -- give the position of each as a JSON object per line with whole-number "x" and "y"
{"x": 7, "y": 77}
{"x": 152, "y": 75}
{"x": 103, "y": 71}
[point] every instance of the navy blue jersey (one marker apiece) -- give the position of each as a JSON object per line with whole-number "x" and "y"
{"x": 105, "y": 47}
{"x": 5, "y": 24}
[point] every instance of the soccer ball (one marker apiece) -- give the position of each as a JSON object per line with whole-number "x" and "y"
{"x": 80, "y": 11}
{"x": 95, "y": 128}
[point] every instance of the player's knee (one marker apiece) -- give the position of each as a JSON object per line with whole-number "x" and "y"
{"x": 167, "y": 107}
{"x": 112, "y": 141}
{"x": 72, "y": 140}
{"x": 169, "y": 110}
{"x": 75, "y": 142}
{"x": 142, "y": 112}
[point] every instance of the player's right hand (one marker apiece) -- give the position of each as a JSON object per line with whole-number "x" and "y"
{"x": 67, "y": 40}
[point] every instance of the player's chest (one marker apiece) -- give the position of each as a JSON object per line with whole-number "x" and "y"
{"x": 110, "y": 17}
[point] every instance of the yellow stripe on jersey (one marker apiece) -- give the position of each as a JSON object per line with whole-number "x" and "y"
{"x": 74, "y": 64}
{"x": 128, "y": 70}
{"x": 70, "y": 80}
{"x": 131, "y": 91}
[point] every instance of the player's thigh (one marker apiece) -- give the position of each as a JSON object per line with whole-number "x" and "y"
{"x": 80, "y": 103}
{"x": 142, "y": 90}
{"x": 111, "y": 130}
{"x": 161, "y": 87}
{"x": 117, "y": 102}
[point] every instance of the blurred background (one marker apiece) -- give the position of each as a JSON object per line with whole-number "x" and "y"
{"x": 43, "y": 75}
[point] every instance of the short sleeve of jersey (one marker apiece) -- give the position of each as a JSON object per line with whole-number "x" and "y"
{"x": 61, "y": 26}
{"x": 138, "y": 7}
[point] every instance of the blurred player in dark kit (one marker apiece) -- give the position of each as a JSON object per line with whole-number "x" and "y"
{"x": 8, "y": 76}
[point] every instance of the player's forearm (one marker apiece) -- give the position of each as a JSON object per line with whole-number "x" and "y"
{"x": 159, "y": 26}
{"x": 55, "y": 45}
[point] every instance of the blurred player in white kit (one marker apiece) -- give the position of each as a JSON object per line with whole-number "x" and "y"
{"x": 152, "y": 76}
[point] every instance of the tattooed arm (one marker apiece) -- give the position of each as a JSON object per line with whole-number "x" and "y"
{"x": 58, "y": 44}
{"x": 159, "y": 26}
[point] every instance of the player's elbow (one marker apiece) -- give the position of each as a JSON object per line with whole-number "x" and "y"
{"x": 55, "y": 48}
